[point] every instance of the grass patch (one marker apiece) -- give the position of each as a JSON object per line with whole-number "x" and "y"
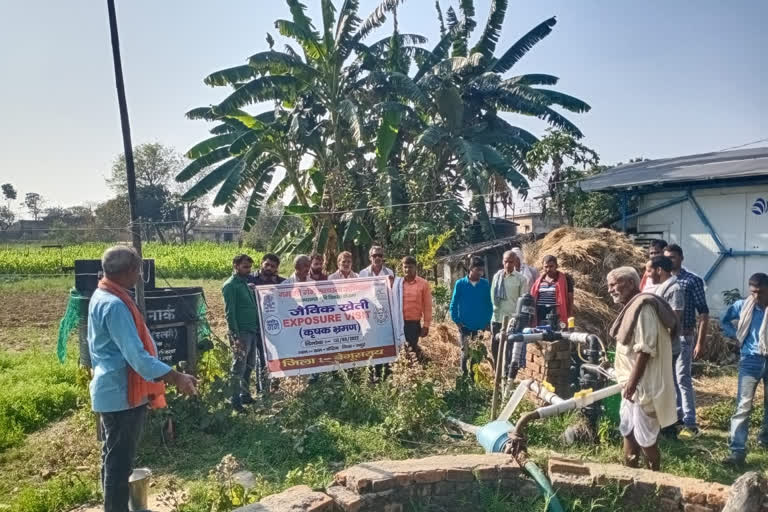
{"x": 59, "y": 494}
{"x": 35, "y": 390}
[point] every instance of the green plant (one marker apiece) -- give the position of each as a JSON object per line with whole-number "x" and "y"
{"x": 731, "y": 296}
{"x": 441, "y": 297}
{"x": 59, "y": 494}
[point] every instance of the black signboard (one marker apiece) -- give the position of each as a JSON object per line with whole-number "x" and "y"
{"x": 171, "y": 343}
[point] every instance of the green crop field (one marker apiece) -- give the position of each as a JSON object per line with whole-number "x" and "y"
{"x": 199, "y": 260}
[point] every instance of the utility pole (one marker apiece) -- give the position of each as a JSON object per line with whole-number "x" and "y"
{"x": 127, "y": 147}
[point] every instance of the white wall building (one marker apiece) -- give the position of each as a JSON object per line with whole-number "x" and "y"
{"x": 715, "y": 206}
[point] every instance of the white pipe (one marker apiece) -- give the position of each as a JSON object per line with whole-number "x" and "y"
{"x": 466, "y": 427}
{"x": 541, "y": 392}
{"x": 514, "y": 400}
{"x": 578, "y": 402}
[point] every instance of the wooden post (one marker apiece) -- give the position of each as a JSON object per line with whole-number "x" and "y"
{"x": 192, "y": 348}
{"x": 130, "y": 171}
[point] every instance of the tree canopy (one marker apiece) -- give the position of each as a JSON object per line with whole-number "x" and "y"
{"x": 374, "y": 140}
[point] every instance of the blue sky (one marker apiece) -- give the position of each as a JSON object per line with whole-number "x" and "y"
{"x": 663, "y": 77}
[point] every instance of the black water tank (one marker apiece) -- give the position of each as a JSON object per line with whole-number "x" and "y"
{"x": 88, "y": 273}
{"x": 172, "y": 316}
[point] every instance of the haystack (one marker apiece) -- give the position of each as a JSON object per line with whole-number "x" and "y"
{"x": 588, "y": 255}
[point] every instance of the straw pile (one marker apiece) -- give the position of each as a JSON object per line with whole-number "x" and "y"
{"x": 588, "y": 255}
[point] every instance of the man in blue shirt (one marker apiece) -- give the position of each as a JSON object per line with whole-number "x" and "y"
{"x": 752, "y": 334}
{"x": 694, "y": 334}
{"x": 117, "y": 350}
{"x": 471, "y": 307}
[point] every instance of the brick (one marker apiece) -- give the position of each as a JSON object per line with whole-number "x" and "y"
{"x": 564, "y": 355}
{"x": 567, "y": 467}
{"x": 717, "y": 496}
{"x": 393, "y": 507}
{"x": 459, "y": 475}
{"x": 694, "y": 496}
{"x": 424, "y": 490}
{"x": 669, "y": 505}
{"x": 464, "y": 487}
{"x": 383, "y": 484}
{"x": 298, "y": 498}
{"x": 345, "y": 499}
{"x": 444, "y": 488}
{"x": 428, "y": 477}
{"x": 486, "y": 472}
{"x": 690, "y": 507}
{"x": 556, "y": 364}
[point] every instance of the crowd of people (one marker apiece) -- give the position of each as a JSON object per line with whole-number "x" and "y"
{"x": 661, "y": 329}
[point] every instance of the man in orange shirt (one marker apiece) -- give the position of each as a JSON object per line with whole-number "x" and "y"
{"x": 417, "y": 304}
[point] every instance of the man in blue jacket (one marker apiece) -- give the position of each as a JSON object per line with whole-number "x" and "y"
{"x": 471, "y": 307}
{"x": 752, "y": 333}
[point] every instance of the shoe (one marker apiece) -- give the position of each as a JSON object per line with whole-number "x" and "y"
{"x": 734, "y": 459}
{"x": 689, "y": 433}
{"x": 247, "y": 400}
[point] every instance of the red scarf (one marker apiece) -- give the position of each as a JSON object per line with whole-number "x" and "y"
{"x": 561, "y": 295}
{"x": 138, "y": 388}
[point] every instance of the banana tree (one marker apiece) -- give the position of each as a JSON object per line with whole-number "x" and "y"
{"x": 469, "y": 94}
{"x": 315, "y": 124}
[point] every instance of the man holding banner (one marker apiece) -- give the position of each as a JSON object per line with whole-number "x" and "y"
{"x": 413, "y": 300}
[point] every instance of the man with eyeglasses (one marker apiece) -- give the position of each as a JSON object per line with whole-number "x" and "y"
{"x": 377, "y": 267}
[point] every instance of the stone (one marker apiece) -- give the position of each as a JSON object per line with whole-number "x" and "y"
{"x": 345, "y": 499}
{"x": 295, "y": 499}
{"x": 746, "y": 493}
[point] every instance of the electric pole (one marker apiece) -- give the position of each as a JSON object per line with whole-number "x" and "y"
{"x": 130, "y": 171}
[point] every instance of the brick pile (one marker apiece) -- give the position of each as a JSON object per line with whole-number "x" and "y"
{"x": 549, "y": 362}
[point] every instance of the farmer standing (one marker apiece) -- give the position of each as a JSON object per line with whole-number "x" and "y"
{"x": 752, "y": 333}
{"x": 377, "y": 266}
{"x": 243, "y": 322}
{"x": 507, "y": 286}
{"x": 316, "y": 268}
{"x": 268, "y": 272}
{"x": 413, "y": 298}
{"x": 127, "y": 376}
{"x": 471, "y": 307}
{"x": 655, "y": 248}
{"x": 553, "y": 290}
{"x": 301, "y": 266}
{"x": 643, "y": 332}
{"x": 692, "y": 330}
{"x": 344, "y": 261}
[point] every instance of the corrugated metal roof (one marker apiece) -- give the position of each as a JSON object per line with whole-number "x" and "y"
{"x": 708, "y": 166}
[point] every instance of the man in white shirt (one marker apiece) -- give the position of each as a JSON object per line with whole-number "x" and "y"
{"x": 301, "y": 270}
{"x": 344, "y": 261}
{"x": 655, "y": 248}
{"x": 528, "y": 272}
{"x": 377, "y": 267}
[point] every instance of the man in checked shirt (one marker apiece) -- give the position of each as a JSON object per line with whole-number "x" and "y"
{"x": 692, "y": 340}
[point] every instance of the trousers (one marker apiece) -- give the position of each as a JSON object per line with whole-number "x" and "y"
{"x": 120, "y": 432}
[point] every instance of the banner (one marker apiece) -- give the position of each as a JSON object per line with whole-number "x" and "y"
{"x": 319, "y": 326}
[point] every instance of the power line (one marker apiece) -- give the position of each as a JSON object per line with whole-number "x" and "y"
{"x": 744, "y": 145}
